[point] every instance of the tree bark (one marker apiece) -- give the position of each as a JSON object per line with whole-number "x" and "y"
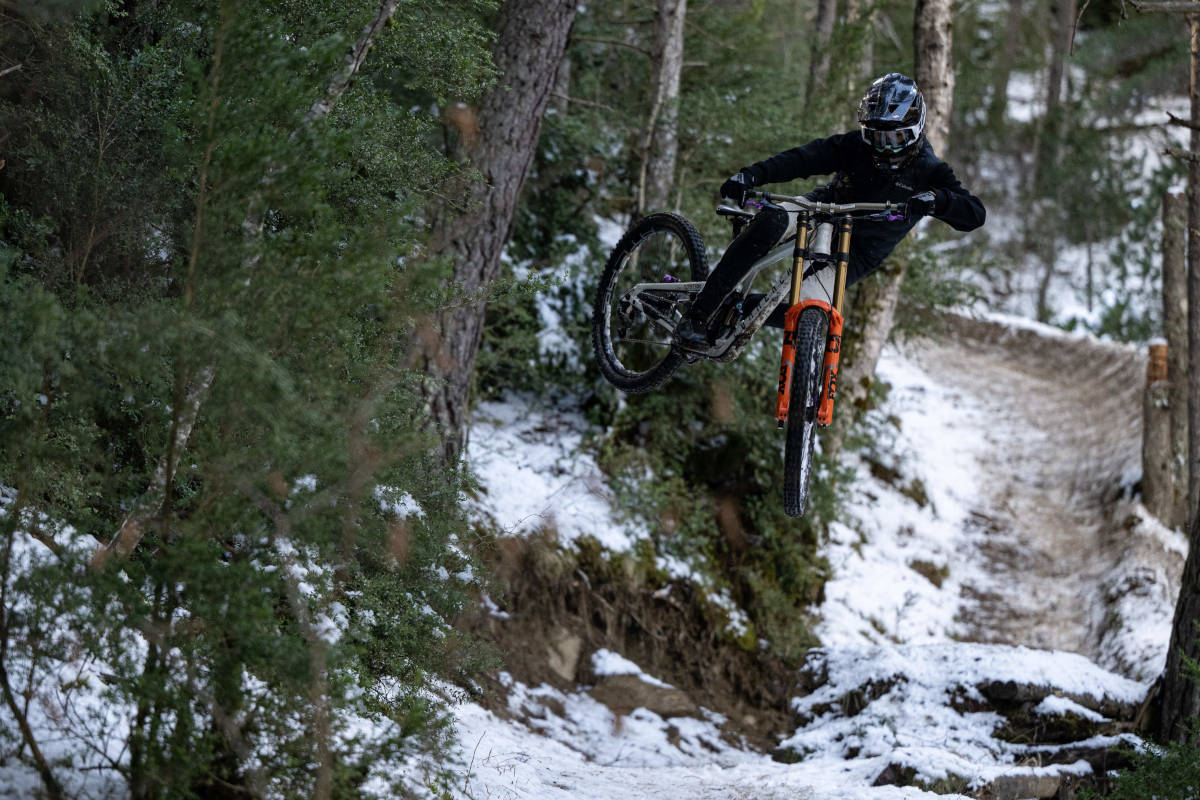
{"x": 1064, "y": 27}
{"x": 1047, "y": 152}
{"x": 855, "y": 15}
{"x": 818, "y": 67}
{"x": 561, "y": 97}
{"x": 933, "y": 39}
{"x": 498, "y": 140}
{"x": 662, "y": 139}
{"x": 872, "y": 312}
{"x": 1175, "y": 328}
{"x": 998, "y": 106}
{"x": 1193, "y": 279}
{"x": 873, "y": 309}
{"x": 1180, "y": 697}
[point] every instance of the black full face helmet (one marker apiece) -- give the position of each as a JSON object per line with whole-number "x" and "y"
{"x": 892, "y": 116}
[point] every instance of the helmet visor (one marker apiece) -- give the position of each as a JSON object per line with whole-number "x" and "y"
{"x": 891, "y": 141}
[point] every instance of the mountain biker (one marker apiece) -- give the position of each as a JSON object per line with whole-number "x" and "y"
{"x": 887, "y": 159}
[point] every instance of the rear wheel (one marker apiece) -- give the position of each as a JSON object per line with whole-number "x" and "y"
{"x": 802, "y": 410}
{"x": 632, "y": 331}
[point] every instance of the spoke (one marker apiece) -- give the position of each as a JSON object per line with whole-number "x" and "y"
{"x": 641, "y": 341}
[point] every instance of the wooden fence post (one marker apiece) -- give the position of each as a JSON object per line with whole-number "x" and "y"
{"x": 1157, "y": 487}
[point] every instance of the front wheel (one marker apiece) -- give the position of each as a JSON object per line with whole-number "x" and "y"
{"x": 632, "y": 329}
{"x": 802, "y": 411}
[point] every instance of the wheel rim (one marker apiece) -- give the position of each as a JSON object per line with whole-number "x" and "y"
{"x": 638, "y": 331}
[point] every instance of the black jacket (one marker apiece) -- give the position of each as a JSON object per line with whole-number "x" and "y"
{"x": 856, "y": 179}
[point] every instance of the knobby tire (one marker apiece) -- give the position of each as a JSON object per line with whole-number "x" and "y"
{"x": 802, "y": 410}
{"x": 616, "y": 277}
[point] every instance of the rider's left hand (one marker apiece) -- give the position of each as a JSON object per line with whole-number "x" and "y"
{"x": 737, "y": 188}
{"x": 920, "y": 205}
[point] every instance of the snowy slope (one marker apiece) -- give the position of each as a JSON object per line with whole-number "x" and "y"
{"x": 914, "y": 573}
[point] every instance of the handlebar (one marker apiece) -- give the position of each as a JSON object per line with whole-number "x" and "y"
{"x": 829, "y": 208}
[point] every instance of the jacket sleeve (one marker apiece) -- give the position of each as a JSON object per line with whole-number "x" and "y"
{"x": 818, "y": 157}
{"x": 953, "y": 204}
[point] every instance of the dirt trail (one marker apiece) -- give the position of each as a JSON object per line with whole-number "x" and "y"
{"x": 1066, "y": 443}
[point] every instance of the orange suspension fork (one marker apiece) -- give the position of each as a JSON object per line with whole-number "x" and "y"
{"x": 787, "y": 359}
{"x": 833, "y": 345}
{"x": 833, "y": 342}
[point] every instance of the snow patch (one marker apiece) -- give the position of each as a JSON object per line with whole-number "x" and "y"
{"x": 537, "y": 477}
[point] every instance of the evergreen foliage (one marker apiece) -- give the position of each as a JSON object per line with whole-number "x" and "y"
{"x": 180, "y": 244}
{"x": 209, "y": 301}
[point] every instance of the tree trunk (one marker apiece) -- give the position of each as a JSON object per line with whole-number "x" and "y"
{"x": 1193, "y": 279}
{"x": 874, "y": 306}
{"x": 933, "y": 37}
{"x": 662, "y": 130}
{"x": 872, "y": 312}
{"x": 1175, "y": 328}
{"x": 818, "y": 67}
{"x": 1008, "y": 47}
{"x": 498, "y": 140}
{"x": 561, "y": 99}
{"x": 854, "y": 15}
{"x": 1064, "y": 26}
{"x": 1180, "y": 698}
{"x": 1047, "y": 153}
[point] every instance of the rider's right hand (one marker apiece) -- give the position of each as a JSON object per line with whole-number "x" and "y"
{"x": 737, "y": 188}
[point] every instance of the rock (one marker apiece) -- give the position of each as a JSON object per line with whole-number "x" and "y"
{"x": 1012, "y": 693}
{"x": 563, "y": 653}
{"x": 1020, "y": 787}
{"x": 624, "y": 693}
{"x": 895, "y": 775}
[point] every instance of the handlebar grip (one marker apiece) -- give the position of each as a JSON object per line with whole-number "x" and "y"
{"x": 730, "y": 211}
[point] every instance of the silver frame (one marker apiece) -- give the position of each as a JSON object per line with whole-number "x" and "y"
{"x": 816, "y": 286}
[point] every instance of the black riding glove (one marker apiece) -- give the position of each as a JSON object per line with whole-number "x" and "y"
{"x": 920, "y": 205}
{"x": 737, "y": 188}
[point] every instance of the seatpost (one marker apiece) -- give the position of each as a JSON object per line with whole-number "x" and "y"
{"x": 844, "y": 224}
{"x": 799, "y": 253}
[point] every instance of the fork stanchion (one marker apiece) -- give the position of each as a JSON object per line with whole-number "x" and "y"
{"x": 844, "y": 225}
{"x": 798, "y": 255}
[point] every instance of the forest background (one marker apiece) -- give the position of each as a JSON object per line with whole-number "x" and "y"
{"x": 252, "y": 276}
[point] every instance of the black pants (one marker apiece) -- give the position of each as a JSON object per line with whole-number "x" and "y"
{"x": 757, "y": 239}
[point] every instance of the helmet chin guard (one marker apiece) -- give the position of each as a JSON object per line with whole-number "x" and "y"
{"x": 892, "y": 118}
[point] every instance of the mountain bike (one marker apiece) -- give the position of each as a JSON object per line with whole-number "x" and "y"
{"x": 659, "y": 265}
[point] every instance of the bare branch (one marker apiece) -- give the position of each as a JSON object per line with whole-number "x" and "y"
{"x": 1167, "y": 6}
{"x": 615, "y": 43}
{"x": 1075, "y": 27}
{"x": 1174, "y": 120}
{"x": 45, "y": 538}
{"x": 134, "y": 527}
{"x": 7, "y": 70}
{"x": 1184, "y": 155}
{"x": 353, "y": 62}
{"x": 585, "y": 103}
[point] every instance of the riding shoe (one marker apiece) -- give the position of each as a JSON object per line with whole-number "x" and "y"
{"x": 691, "y": 335}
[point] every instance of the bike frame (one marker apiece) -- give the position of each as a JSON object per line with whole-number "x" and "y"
{"x": 817, "y": 279}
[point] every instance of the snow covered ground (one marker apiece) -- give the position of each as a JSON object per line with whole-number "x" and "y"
{"x": 895, "y": 693}
{"x": 907, "y": 561}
